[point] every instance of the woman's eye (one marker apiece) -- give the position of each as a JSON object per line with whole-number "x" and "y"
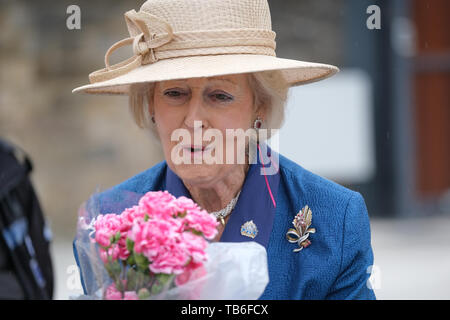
{"x": 173, "y": 93}
{"x": 222, "y": 97}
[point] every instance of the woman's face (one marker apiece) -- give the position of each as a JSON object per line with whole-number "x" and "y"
{"x": 221, "y": 103}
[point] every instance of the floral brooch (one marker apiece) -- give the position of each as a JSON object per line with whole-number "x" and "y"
{"x": 300, "y": 233}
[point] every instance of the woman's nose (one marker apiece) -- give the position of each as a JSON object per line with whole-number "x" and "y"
{"x": 196, "y": 112}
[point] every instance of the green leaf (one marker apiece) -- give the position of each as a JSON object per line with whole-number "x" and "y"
{"x": 156, "y": 288}
{"x": 163, "y": 278}
{"x": 115, "y": 266}
{"x": 130, "y": 245}
{"x": 104, "y": 248}
{"x": 141, "y": 261}
{"x": 196, "y": 232}
{"x": 140, "y": 279}
{"x": 114, "y": 238}
{"x": 109, "y": 270}
{"x": 163, "y": 281}
{"x": 130, "y": 260}
{"x": 131, "y": 279}
{"x": 119, "y": 285}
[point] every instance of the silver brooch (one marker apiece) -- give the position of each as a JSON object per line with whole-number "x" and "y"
{"x": 300, "y": 233}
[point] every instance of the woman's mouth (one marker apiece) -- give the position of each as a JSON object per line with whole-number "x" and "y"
{"x": 196, "y": 149}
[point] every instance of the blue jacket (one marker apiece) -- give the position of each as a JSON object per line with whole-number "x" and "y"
{"x": 334, "y": 266}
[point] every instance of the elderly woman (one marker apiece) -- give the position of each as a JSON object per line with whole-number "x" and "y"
{"x": 202, "y": 65}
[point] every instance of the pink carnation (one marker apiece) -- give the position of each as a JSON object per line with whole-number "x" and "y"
{"x": 130, "y": 216}
{"x": 159, "y": 241}
{"x": 158, "y": 204}
{"x": 112, "y": 293}
{"x": 172, "y": 260}
{"x": 196, "y": 218}
{"x": 106, "y": 227}
{"x": 130, "y": 295}
{"x": 195, "y": 247}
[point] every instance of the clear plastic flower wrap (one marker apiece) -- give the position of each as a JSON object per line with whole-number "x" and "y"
{"x": 154, "y": 246}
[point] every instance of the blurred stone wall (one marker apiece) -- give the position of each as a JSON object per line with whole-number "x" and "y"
{"x": 80, "y": 142}
{"x": 310, "y": 30}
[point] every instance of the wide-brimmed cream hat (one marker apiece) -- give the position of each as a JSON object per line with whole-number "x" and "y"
{"x": 180, "y": 39}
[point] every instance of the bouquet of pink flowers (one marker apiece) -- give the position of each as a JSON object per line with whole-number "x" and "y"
{"x": 153, "y": 245}
{"x": 158, "y": 249}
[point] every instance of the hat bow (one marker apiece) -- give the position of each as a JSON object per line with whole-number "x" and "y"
{"x": 143, "y": 41}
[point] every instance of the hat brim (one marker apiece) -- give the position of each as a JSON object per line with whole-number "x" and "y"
{"x": 295, "y": 72}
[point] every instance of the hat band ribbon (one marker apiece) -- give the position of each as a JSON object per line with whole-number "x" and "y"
{"x": 149, "y": 47}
